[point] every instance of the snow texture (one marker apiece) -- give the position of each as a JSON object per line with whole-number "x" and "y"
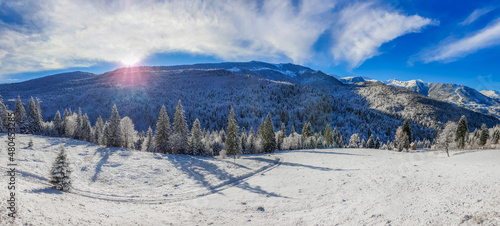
{"x": 116, "y": 186}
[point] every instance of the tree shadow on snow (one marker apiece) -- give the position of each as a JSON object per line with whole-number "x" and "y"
{"x": 104, "y": 153}
{"x": 301, "y": 165}
{"x": 47, "y": 191}
{"x": 329, "y": 152}
{"x": 196, "y": 168}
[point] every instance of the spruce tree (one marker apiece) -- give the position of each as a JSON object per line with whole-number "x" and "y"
{"x": 407, "y": 131}
{"x": 232, "y": 136}
{"x": 180, "y": 131}
{"x": 65, "y": 119}
{"x": 3, "y": 116}
{"x": 371, "y": 142}
{"x": 99, "y": 131}
{"x": 113, "y": 133}
{"x": 60, "y": 173}
{"x": 327, "y": 134}
{"x": 268, "y": 138}
{"x": 162, "y": 135}
{"x": 33, "y": 119}
{"x": 58, "y": 123}
{"x": 462, "y": 131}
{"x": 86, "y": 130}
{"x": 196, "y": 138}
{"x": 496, "y": 137}
{"x": 148, "y": 145}
{"x": 78, "y": 134}
{"x": 377, "y": 143}
{"x": 484, "y": 135}
{"x": 20, "y": 116}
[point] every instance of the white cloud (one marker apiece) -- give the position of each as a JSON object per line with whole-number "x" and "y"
{"x": 364, "y": 27}
{"x": 453, "y": 50}
{"x": 475, "y": 15}
{"x": 62, "y": 34}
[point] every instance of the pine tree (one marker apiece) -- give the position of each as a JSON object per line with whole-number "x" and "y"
{"x": 268, "y": 138}
{"x": 196, "y": 138}
{"x": 162, "y": 135}
{"x": 260, "y": 129}
{"x": 99, "y": 131}
{"x": 496, "y": 137}
{"x": 484, "y": 135}
{"x": 407, "y": 131}
{"x": 78, "y": 134}
{"x": 462, "y": 131}
{"x": 232, "y": 137}
{"x": 180, "y": 131}
{"x": 86, "y": 131}
{"x": 371, "y": 142}
{"x": 148, "y": 145}
{"x": 33, "y": 119}
{"x": 60, "y": 173}
{"x": 377, "y": 143}
{"x": 306, "y": 130}
{"x": 113, "y": 133}
{"x": 20, "y": 116}
{"x": 328, "y": 136}
{"x": 58, "y": 123}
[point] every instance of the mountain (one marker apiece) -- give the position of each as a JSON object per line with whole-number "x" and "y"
{"x": 355, "y": 79}
{"x": 292, "y": 94}
{"x": 459, "y": 95}
{"x": 491, "y": 94}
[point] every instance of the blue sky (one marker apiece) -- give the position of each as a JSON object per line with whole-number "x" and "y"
{"x": 436, "y": 41}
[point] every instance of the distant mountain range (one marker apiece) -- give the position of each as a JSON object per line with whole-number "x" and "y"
{"x": 486, "y": 102}
{"x": 293, "y": 94}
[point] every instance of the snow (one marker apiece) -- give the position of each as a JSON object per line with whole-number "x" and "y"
{"x": 306, "y": 187}
{"x": 406, "y": 84}
{"x": 491, "y": 94}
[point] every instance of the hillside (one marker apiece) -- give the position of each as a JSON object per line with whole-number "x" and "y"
{"x": 114, "y": 186}
{"x": 291, "y": 93}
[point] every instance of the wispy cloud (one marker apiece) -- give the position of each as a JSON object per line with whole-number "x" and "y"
{"x": 453, "y": 50}
{"x": 364, "y": 27}
{"x": 62, "y": 34}
{"x": 475, "y": 15}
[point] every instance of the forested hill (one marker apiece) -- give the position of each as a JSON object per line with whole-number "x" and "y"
{"x": 291, "y": 93}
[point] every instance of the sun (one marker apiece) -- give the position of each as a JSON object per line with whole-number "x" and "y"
{"x": 130, "y": 61}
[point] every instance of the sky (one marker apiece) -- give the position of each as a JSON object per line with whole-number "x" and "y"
{"x": 436, "y": 41}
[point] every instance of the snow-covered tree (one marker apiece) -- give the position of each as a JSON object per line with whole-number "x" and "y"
{"x": 462, "y": 131}
{"x": 60, "y": 173}
{"x": 232, "y": 137}
{"x": 3, "y": 116}
{"x": 377, "y": 143}
{"x": 196, "y": 139}
{"x": 128, "y": 133}
{"x": 78, "y": 134}
{"x": 484, "y": 135}
{"x": 268, "y": 138}
{"x": 252, "y": 149}
{"x": 280, "y": 136}
{"x": 113, "y": 132}
{"x": 162, "y": 141}
{"x": 99, "y": 131}
{"x": 180, "y": 131}
{"x": 371, "y": 142}
{"x": 354, "y": 141}
{"x": 327, "y": 134}
{"x": 244, "y": 141}
{"x": 58, "y": 123}
{"x": 446, "y": 137}
{"x": 86, "y": 130}
{"x": 33, "y": 118}
{"x": 148, "y": 145}
{"x": 20, "y": 116}
{"x": 496, "y": 136}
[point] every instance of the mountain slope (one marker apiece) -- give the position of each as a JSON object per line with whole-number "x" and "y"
{"x": 459, "y": 95}
{"x": 291, "y": 93}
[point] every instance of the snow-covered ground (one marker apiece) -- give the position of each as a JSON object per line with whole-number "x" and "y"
{"x": 327, "y": 187}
